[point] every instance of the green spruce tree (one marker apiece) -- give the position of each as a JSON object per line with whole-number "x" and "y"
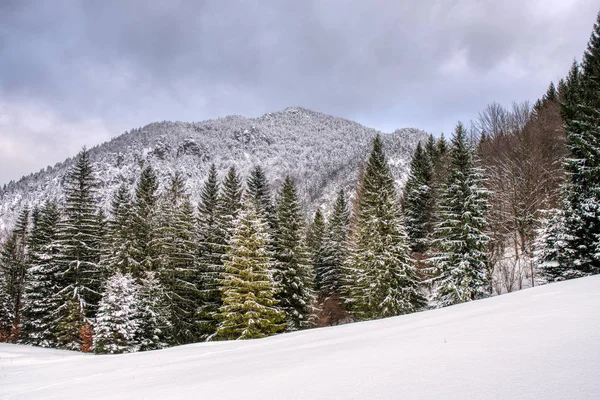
{"x": 315, "y": 242}
{"x": 14, "y": 264}
{"x": 213, "y": 241}
{"x": 78, "y": 259}
{"x": 418, "y": 200}
{"x": 249, "y": 308}
{"x": 143, "y": 224}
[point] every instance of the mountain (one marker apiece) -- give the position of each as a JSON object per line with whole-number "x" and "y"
{"x": 319, "y": 151}
{"x": 539, "y": 343}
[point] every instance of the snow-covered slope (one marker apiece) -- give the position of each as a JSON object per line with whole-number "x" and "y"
{"x": 540, "y": 343}
{"x": 319, "y": 151}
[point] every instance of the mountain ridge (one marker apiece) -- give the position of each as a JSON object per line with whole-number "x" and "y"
{"x": 321, "y": 152}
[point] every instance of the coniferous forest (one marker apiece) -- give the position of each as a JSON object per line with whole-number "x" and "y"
{"x": 510, "y": 201}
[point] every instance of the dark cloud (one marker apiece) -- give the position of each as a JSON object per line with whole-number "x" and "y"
{"x": 113, "y": 65}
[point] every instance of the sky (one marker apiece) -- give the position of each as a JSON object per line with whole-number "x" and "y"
{"x": 78, "y": 72}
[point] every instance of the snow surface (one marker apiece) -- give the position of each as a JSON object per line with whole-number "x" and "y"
{"x": 540, "y": 343}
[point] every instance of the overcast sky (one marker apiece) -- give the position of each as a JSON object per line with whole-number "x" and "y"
{"x": 76, "y": 73}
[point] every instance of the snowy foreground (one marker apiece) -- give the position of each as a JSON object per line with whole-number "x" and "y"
{"x": 541, "y": 343}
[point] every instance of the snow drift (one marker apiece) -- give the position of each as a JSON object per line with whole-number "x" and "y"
{"x": 539, "y": 343}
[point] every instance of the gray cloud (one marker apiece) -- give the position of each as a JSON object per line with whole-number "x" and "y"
{"x": 77, "y": 72}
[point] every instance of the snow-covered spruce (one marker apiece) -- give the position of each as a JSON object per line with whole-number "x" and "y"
{"x": 293, "y": 272}
{"x": 460, "y": 264}
{"x": 118, "y": 319}
{"x": 384, "y": 279}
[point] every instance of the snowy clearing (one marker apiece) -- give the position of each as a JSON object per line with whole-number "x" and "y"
{"x": 540, "y": 343}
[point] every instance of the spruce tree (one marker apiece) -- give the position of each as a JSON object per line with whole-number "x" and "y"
{"x": 143, "y": 224}
{"x": 119, "y": 250}
{"x": 78, "y": 238}
{"x": 385, "y": 279}
{"x": 230, "y": 203}
{"x": 259, "y": 192}
{"x": 292, "y": 268}
{"x": 14, "y": 264}
{"x": 335, "y": 280}
{"x": 154, "y": 330}
{"x": 41, "y": 298}
{"x": 249, "y": 308}
{"x": 418, "y": 200}
{"x": 315, "y": 242}
{"x": 335, "y": 249}
{"x": 176, "y": 242}
{"x": 117, "y": 322}
{"x": 212, "y": 247}
{"x": 460, "y": 262}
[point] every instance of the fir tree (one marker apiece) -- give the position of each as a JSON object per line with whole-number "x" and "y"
{"x": 335, "y": 249}
{"x": 315, "y": 242}
{"x": 258, "y": 191}
{"x": 119, "y": 251}
{"x": 14, "y": 263}
{"x": 249, "y": 308}
{"x": 418, "y": 200}
{"x": 69, "y": 326}
{"x": 230, "y": 203}
{"x": 212, "y": 247}
{"x": 154, "y": 330}
{"x": 176, "y": 245}
{"x": 143, "y": 226}
{"x": 335, "y": 278}
{"x": 41, "y": 299}
{"x": 460, "y": 263}
{"x": 117, "y": 322}
{"x": 385, "y": 279}
{"x": 79, "y": 240}
{"x": 292, "y": 267}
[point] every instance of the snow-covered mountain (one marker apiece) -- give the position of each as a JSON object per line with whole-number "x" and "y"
{"x": 319, "y": 151}
{"x": 540, "y": 343}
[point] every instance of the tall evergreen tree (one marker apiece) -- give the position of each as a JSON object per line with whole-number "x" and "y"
{"x": 43, "y": 285}
{"x": 14, "y": 263}
{"x": 335, "y": 280}
{"x": 79, "y": 256}
{"x": 176, "y": 241}
{"x": 292, "y": 268}
{"x": 259, "y": 192}
{"x": 119, "y": 251}
{"x": 143, "y": 226}
{"x": 212, "y": 247}
{"x": 418, "y": 200}
{"x": 230, "y": 203}
{"x": 315, "y": 242}
{"x": 385, "y": 279}
{"x": 460, "y": 262}
{"x": 335, "y": 249}
{"x": 249, "y": 308}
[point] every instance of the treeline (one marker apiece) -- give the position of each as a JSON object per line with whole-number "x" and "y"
{"x": 522, "y": 187}
{"x": 158, "y": 271}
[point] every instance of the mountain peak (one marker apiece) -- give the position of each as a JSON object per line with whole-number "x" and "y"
{"x": 321, "y": 152}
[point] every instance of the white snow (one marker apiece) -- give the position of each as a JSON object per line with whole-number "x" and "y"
{"x": 540, "y": 343}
